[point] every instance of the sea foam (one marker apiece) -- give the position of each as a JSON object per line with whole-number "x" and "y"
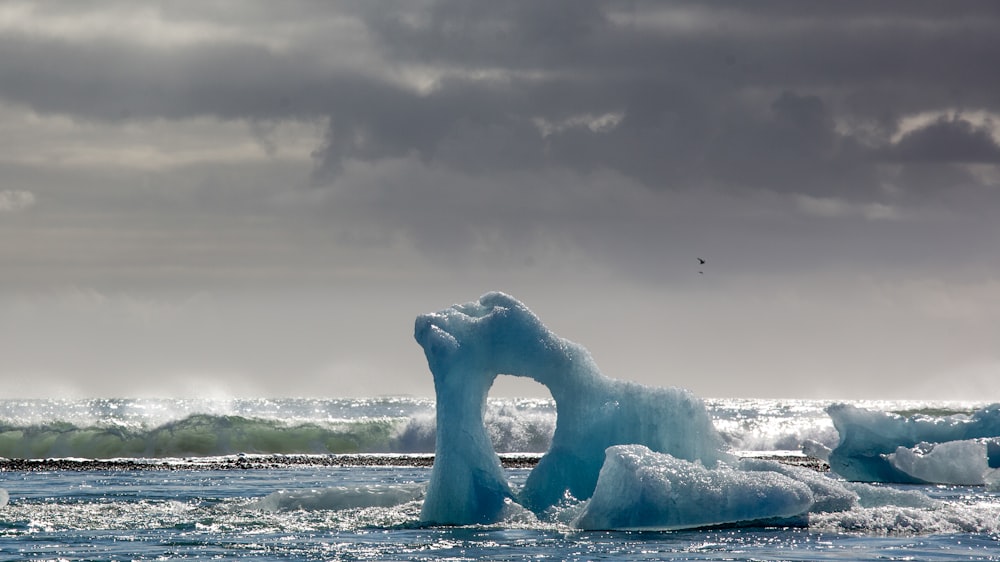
{"x": 341, "y": 497}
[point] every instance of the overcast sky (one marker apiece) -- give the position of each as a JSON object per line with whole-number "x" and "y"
{"x": 257, "y": 198}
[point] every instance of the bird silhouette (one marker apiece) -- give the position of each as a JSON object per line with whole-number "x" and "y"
{"x": 701, "y": 261}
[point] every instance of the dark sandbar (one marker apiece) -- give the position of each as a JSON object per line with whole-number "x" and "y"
{"x": 251, "y": 462}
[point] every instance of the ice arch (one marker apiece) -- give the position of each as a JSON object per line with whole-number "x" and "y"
{"x": 468, "y": 345}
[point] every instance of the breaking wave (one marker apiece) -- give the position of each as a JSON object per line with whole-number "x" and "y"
{"x": 517, "y": 426}
{"x": 104, "y": 428}
{"x": 196, "y": 435}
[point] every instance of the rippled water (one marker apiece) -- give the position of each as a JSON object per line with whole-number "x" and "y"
{"x": 227, "y": 514}
{"x": 194, "y": 514}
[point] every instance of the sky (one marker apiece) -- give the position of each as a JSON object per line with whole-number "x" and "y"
{"x": 257, "y": 198}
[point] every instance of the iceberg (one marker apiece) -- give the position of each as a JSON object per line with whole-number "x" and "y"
{"x": 622, "y": 456}
{"x": 468, "y": 345}
{"x": 965, "y": 463}
{"x": 642, "y": 490}
{"x": 880, "y": 446}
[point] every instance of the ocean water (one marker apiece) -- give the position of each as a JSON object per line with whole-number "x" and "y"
{"x": 353, "y": 513}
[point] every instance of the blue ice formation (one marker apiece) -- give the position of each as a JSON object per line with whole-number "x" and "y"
{"x": 468, "y": 345}
{"x": 642, "y": 490}
{"x": 879, "y": 446}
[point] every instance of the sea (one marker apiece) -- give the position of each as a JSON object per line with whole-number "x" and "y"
{"x": 187, "y": 479}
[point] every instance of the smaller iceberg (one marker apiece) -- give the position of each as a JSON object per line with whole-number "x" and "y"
{"x": 639, "y": 489}
{"x": 966, "y": 463}
{"x": 880, "y": 446}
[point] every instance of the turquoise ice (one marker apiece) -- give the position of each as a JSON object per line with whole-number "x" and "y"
{"x": 880, "y": 446}
{"x": 642, "y": 490}
{"x": 669, "y": 431}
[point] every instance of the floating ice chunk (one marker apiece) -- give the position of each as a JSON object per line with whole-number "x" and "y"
{"x": 952, "y": 462}
{"x": 878, "y": 495}
{"x": 815, "y": 449}
{"x": 948, "y": 518}
{"x": 868, "y": 437}
{"x": 828, "y": 494}
{"x": 468, "y": 345}
{"x": 341, "y": 497}
{"x": 515, "y": 513}
{"x": 640, "y": 489}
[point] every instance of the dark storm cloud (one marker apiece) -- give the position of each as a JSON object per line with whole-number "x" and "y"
{"x": 782, "y": 96}
{"x": 948, "y": 140}
{"x": 115, "y": 80}
{"x": 774, "y": 96}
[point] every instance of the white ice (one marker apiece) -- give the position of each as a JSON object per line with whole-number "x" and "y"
{"x": 642, "y": 490}
{"x": 828, "y": 494}
{"x": 952, "y": 462}
{"x": 813, "y": 448}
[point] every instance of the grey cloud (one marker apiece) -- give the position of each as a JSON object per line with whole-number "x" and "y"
{"x": 854, "y": 49}
{"x": 15, "y": 200}
{"x": 113, "y": 81}
{"x": 667, "y": 138}
{"x": 751, "y": 100}
{"x": 727, "y": 95}
{"x": 948, "y": 140}
{"x": 466, "y": 124}
{"x": 519, "y": 36}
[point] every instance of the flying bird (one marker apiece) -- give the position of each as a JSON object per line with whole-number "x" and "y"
{"x": 701, "y": 261}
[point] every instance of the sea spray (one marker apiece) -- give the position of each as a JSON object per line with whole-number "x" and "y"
{"x": 197, "y": 435}
{"x": 171, "y": 427}
{"x": 154, "y": 428}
